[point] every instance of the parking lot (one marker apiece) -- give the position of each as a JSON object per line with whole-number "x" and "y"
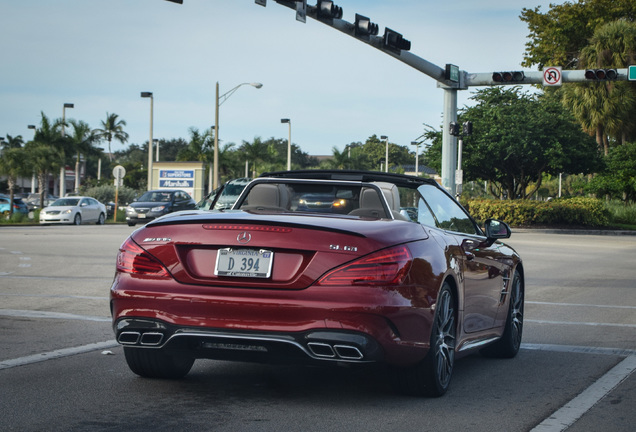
{"x": 61, "y": 370}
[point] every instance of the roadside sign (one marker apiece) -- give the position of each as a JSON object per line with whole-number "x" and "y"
{"x": 631, "y": 73}
{"x": 119, "y": 172}
{"x": 552, "y": 76}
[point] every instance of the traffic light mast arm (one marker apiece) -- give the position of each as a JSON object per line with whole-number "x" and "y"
{"x": 418, "y": 63}
{"x": 533, "y": 77}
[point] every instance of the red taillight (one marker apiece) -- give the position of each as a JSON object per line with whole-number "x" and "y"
{"x": 133, "y": 259}
{"x": 386, "y": 267}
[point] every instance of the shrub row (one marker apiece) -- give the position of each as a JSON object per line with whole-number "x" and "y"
{"x": 559, "y": 212}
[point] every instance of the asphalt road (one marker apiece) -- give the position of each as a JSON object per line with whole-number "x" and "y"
{"x": 60, "y": 369}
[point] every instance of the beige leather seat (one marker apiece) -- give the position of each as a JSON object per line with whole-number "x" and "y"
{"x": 267, "y": 197}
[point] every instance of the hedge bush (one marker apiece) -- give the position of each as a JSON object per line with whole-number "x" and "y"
{"x": 589, "y": 212}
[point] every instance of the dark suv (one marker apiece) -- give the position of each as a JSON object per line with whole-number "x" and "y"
{"x": 155, "y": 203}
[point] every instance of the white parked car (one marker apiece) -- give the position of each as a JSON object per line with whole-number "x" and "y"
{"x": 73, "y": 210}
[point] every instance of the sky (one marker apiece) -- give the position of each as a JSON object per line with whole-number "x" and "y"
{"x": 101, "y": 54}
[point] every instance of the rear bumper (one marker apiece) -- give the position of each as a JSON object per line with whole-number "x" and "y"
{"x": 315, "y": 346}
{"x": 353, "y": 324}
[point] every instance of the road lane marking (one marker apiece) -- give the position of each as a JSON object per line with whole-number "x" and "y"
{"x": 581, "y": 305}
{"x": 621, "y": 352}
{"x": 51, "y": 315}
{"x": 55, "y": 296}
{"x": 582, "y": 323}
{"x": 569, "y": 413}
{"x": 64, "y": 352}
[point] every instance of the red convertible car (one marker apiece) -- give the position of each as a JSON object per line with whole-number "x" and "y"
{"x": 405, "y": 277}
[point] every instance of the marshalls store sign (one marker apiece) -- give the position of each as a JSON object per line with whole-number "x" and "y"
{"x": 177, "y": 179}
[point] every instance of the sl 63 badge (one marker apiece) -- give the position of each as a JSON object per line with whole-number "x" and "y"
{"x": 344, "y": 248}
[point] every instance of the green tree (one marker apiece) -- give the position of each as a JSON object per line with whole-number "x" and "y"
{"x": 255, "y": 153}
{"x": 605, "y": 108}
{"x": 558, "y": 35}
{"x": 112, "y": 129}
{"x": 12, "y": 142}
{"x": 517, "y": 138}
{"x": 618, "y": 180}
{"x": 48, "y": 135}
{"x": 13, "y": 164}
{"x": 82, "y": 140}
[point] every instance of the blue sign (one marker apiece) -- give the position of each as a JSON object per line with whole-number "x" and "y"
{"x": 176, "y": 174}
{"x": 176, "y": 184}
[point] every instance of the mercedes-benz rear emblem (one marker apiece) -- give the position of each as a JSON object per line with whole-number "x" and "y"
{"x": 244, "y": 237}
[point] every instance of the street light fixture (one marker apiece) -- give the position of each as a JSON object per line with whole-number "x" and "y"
{"x": 288, "y": 121}
{"x": 219, "y": 102}
{"x": 63, "y": 168}
{"x": 155, "y": 141}
{"x": 417, "y": 157}
{"x": 386, "y": 156}
{"x": 150, "y": 141}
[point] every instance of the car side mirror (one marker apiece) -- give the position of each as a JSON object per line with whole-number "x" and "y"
{"x": 496, "y": 229}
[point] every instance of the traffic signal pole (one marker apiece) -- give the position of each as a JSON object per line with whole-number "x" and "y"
{"x": 450, "y": 80}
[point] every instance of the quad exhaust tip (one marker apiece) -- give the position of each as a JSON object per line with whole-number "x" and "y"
{"x": 344, "y": 352}
{"x": 138, "y": 338}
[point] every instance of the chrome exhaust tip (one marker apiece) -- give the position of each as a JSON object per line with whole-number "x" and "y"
{"x": 321, "y": 350}
{"x": 129, "y": 338}
{"x": 151, "y": 338}
{"x": 347, "y": 352}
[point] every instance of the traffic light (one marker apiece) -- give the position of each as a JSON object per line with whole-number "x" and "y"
{"x": 601, "y": 74}
{"x": 364, "y": 26}
{"x": 394, "y": 41}
{"x": 328, "y": 10}
{"x": 508, "y": 77}
{"x": 467, "y": 128}
{"x": 453, "y": 128}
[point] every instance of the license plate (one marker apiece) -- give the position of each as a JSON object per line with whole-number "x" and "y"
{"x": 141, "y": 215}
{"x": 244, "y": 263}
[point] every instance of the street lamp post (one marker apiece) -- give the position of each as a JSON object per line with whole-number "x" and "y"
{"x": 386, "y": 156}
{"x": 288, "y": 121}
{"x": 63, "y": 168}
{"x": 33, "y": 176}
{"x": 156, "y": 143}
{"x": 219, "y": 102}
{"x": 417, "y": 157}
{"x": 150, "y": 141}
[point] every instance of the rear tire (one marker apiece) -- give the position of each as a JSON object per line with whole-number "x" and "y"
{"x": 432, "y": 376}
{"x": 101, "y": 219}
{"x": 155, "y": 363}
{"x": 508, "y": 345}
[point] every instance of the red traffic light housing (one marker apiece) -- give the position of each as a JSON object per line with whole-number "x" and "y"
{"x": 328, "y": 10}
{"x": 508, "y": 77}
{"x": 364, "y": 26}
{"x": 394, "y": 41}
{"x": 601, "y": 74}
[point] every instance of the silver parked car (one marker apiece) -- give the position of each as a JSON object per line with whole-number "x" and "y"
{"x": 73, "y": 210}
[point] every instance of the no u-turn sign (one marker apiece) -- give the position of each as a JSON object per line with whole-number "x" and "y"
{"x": 552, "y": 76}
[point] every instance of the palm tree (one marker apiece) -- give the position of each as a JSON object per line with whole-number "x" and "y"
{"x": 42, "y": 159}
{"x": 605, "y": 108}
{"x": 112, "y": 129}
{"x": 49, "y": 135}
{"x": 12, "y": 142}
{"x": 13, "y": 164}
{"x": 82, "y": 139}
{"x": 255, "y": 153}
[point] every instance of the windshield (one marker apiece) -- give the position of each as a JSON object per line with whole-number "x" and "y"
{"x": 155, "y": 196}
{"x": 65, "y": 202}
